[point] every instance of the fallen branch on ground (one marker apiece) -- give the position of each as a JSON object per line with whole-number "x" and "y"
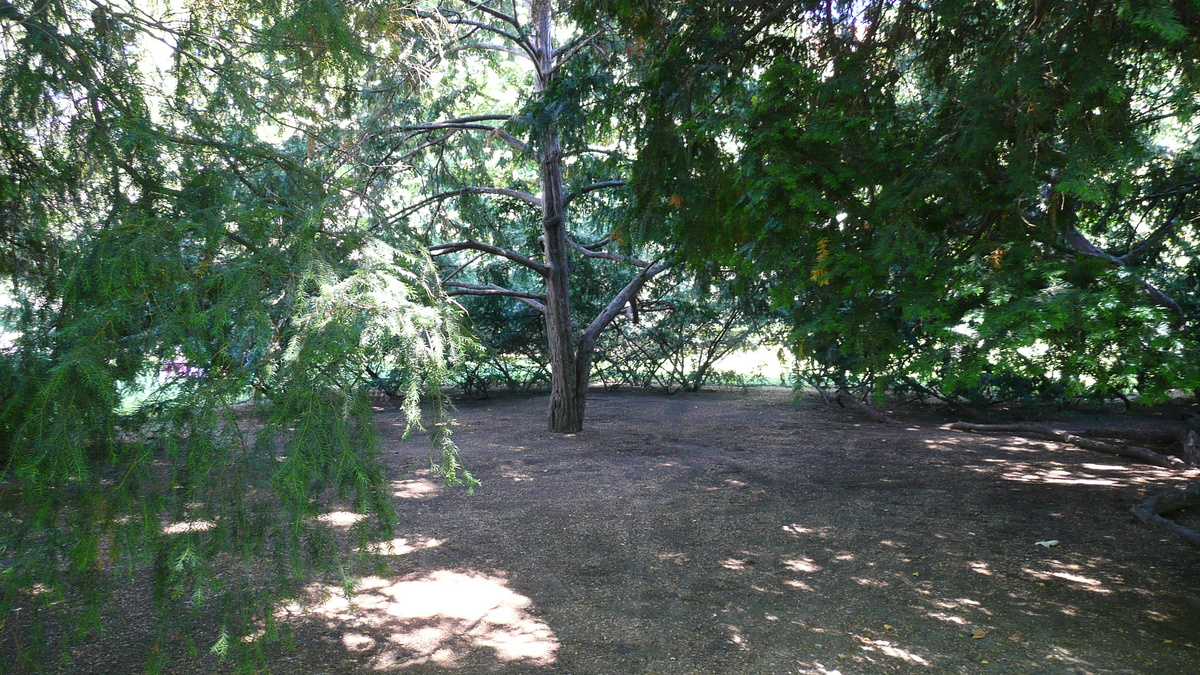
{"x": 1151, "y": 511}
{"x": 1132, "y": 451}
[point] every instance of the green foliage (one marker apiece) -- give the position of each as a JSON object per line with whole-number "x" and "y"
{"x": 200, "y": 305}
{"x": 917, "y": 181}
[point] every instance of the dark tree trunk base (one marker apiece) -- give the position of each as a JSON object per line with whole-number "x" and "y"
{"x": 1131, "y": 451}
{"x": 1151, "y": 512}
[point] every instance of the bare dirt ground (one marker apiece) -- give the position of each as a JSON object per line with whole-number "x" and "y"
{"x": 738, "y": 532}
{"x": 730, "y": 532}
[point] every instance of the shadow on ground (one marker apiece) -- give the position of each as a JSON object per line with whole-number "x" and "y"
{"x": 742, "y": 533}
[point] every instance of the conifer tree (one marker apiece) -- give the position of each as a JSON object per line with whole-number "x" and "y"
{"x": 185, "y": 226}
{"x": 560, "y": 94}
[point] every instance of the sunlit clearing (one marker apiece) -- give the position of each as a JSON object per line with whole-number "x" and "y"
{"x": 417, "y": 488}
{"x": 340, "y": 518}
{"x": 888, "y": 649}
{"x": 403, "y": 546}
{"x": 189, "y": 526}
{"x": 801, "y": 565}
{"x": 435, "y": 618}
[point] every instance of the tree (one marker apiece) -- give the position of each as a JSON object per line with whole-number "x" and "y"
{"x": 184, "y": 228}
{"x": 562, "y": 81}
{"x": 981, "y": 200}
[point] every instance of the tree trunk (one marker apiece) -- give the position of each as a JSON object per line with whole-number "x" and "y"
{"x": 566, "y": 400}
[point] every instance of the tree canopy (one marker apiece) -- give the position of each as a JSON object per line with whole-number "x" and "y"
{"x": 979, "y": 199}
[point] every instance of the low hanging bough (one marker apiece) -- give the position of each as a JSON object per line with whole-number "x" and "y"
{"x": 1131, "y": 451}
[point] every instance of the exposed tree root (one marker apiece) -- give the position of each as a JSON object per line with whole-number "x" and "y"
{"x": 1191, "y": 447}
{"x": 1151, "y": 510}
{"x": 848, "y": 400}
{"x": 1132, "y": 451}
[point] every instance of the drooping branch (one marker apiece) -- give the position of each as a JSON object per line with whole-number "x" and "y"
{"x": 848, "y": 400}
{"x": 472, "y": 245}
{"x": 534, "y": 300}
{"x": 588, "y": 251}
{"x": 1131, "y": 451}
{"x": 588, "y": 340}
{"x": 1078, "y": 241}
{"x": 593, "y": 187}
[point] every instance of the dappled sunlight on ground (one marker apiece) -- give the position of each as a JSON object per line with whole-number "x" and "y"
{"x": 1087, "y": 473}
{"x": 188, "y": 526}
{"x": 437, "y": 617}
{"x": 340, "y": 518}
{"x": 416, "y": 488}
{"x": 798, "y": 529}
{"x": 888, "y": 648}
{"x": 404, "y": 546}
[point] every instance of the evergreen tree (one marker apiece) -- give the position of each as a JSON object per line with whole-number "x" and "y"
{"x": 185, "y": 229}
{"x": 976, "y": 199}
{"x": 513, "y": 80}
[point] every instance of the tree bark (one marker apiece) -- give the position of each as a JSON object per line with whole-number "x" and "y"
{"x": 567, "y": 401}
{"x": 1132, "y": 451}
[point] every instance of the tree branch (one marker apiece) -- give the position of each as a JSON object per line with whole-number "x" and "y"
{"x": 488, "y": 46}
{"x": 460, "y": 124}
{"x": 1156, "y": 237}
{"x": 515, "y": 39}
{"x": 565, "y": 52}
{"x": 588, "y": 340}
{"x": 588, "y": 252}
{"x": 1076, "y": 240}
{"x": 534, "y": 300}
{"x": 593, "y": 187}
{"x": 473, "y": 245}
{"x": 495, "y": 13}
{"x": 504, "y": 192}
{"x": 471, "y": 122}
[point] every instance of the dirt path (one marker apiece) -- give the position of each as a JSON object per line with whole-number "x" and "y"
{"x": 741, "y": 533}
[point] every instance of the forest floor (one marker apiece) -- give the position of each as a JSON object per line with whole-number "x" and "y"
{"x": 742, "y": 532}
